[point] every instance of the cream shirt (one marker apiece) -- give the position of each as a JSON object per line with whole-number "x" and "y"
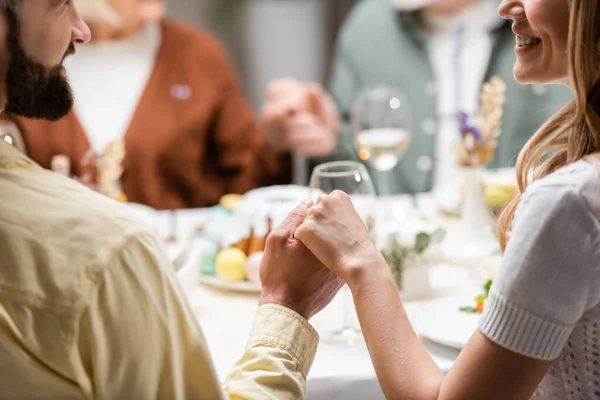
{"x": 90, "y": 308}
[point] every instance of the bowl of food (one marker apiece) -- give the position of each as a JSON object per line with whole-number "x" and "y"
{"x": 499, "y": 188}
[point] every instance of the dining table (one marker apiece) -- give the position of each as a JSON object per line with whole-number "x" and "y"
{"x": 338, "y": 372}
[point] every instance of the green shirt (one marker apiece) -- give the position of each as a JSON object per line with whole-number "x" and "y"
{"x": 380, "y": 45}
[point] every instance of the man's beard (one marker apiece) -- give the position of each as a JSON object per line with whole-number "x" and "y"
{"x": 33, "y": 90}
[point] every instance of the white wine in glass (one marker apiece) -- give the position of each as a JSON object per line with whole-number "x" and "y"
{"x": 380, "y": 125}
{"x": 382, "y": 147}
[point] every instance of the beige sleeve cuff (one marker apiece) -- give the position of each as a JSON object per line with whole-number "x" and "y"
{"x": 281, "y": 328}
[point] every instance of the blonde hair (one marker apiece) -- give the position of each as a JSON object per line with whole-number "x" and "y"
{"x": 94, "y": 10}
{"x": 574, "y": 131}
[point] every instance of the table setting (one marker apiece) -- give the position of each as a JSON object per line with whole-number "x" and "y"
{"x": 443, "y": 258}
{"x": 435, "y": 289}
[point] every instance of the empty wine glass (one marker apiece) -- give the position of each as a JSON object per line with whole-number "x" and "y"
{"x": 353, "y": 179}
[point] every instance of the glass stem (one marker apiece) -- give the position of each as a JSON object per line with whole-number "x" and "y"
{"x": 347, "y": 304}
{"x": 385, "y": 182}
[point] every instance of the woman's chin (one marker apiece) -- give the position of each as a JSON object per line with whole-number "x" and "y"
{"x": 524, "y": 77}
{"x": 539, "y": 76}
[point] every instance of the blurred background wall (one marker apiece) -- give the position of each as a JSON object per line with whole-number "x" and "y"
{"x": 269, "y": 39}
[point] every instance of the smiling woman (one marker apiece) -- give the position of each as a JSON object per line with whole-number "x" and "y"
{"x": 540, "y": 327}
{"x": 541, "y": 33}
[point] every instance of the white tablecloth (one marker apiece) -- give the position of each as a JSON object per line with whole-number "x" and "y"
{"x": 337, "y": 372}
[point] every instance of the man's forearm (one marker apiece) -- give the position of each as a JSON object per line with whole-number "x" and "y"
{"x": 279, "y": 354}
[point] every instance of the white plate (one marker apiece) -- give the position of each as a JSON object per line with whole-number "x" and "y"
{"x": 145, "y": 213}
{"x": 441, "y": 321}
{"x": 238, "y": 287}
{"x": 187, "y": 267}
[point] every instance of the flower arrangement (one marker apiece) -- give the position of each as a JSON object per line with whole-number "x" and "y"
{"x": 479, "y": 139}
{"x": 111, "y": 170}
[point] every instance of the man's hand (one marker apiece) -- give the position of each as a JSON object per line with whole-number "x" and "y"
{"x": 291, "y": 275}
{"x": 300, "y": 118}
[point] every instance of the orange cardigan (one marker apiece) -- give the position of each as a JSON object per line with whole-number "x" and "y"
{"x": 192, "y": 138}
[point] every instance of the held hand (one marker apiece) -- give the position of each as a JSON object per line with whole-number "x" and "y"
{"x": 291, "y": 275}
{"x": 300, "y": 118}
{"x": 335, "y": 233}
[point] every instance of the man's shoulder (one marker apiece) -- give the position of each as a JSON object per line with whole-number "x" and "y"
{"x": 371, "y": 14}
{"x": 56, "y": 238}
{"x": 369, "y": 8}
{"x": 375, "y": 28}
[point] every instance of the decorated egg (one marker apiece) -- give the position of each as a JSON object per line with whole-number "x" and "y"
{"x": 231, "y": 265}
{"x": 253, "y": 267}
{"x": 230, "y": 201}
{"x": 209, "y": 255}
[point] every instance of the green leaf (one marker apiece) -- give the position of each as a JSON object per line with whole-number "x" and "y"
{"x": 487, "y": 287}
{"x": 469, "y": 310}
{"x": 422, "y": 243}
{"x": 438, "y": 236}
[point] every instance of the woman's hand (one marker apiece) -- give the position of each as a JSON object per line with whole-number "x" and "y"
{"x": 291, "y": 275}
{"x": 335, "y": 233}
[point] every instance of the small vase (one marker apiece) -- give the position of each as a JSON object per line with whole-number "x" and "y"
{"x": 411, "y": 277}
{"x": 475, "y": 238}
{"x": 416, "y": 282}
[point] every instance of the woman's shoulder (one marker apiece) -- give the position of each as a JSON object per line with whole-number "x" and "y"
{"x": 576, "y": 185}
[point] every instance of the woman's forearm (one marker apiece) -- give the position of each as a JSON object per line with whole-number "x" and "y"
{"x": 404, "y": 367}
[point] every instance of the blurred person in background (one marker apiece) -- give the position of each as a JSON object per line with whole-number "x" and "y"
{"x": 439, "y": 52}
{"x": 169, "y": 92}
{"x": 90, "y": 307}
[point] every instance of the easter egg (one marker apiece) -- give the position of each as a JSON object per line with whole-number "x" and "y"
{"x": 253, "y": 267}
{"x": 230, "y": 201}
{"x": 209, "y": 255}
{"x": 231, "y": 265}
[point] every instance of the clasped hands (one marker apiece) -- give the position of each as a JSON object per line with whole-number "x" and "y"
{"x": 314, "y": 251}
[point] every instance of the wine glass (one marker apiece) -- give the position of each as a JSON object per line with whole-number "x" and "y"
{"x": 381, "y": 129}
{"x": 353, "y": 179}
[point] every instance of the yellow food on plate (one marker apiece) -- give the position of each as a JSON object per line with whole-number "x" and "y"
{"x": 500, "y": 187}
{"x": 231, "y": 265}
{"x": 498, "y": 196}
{"x": 230, "y": 201}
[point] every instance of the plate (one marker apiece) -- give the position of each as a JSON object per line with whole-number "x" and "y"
{"x": 441, "y": 321}
{"x": 145, "y": 213}
{"x": 187, "y": 267}
{"x": 239, "y": 287}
